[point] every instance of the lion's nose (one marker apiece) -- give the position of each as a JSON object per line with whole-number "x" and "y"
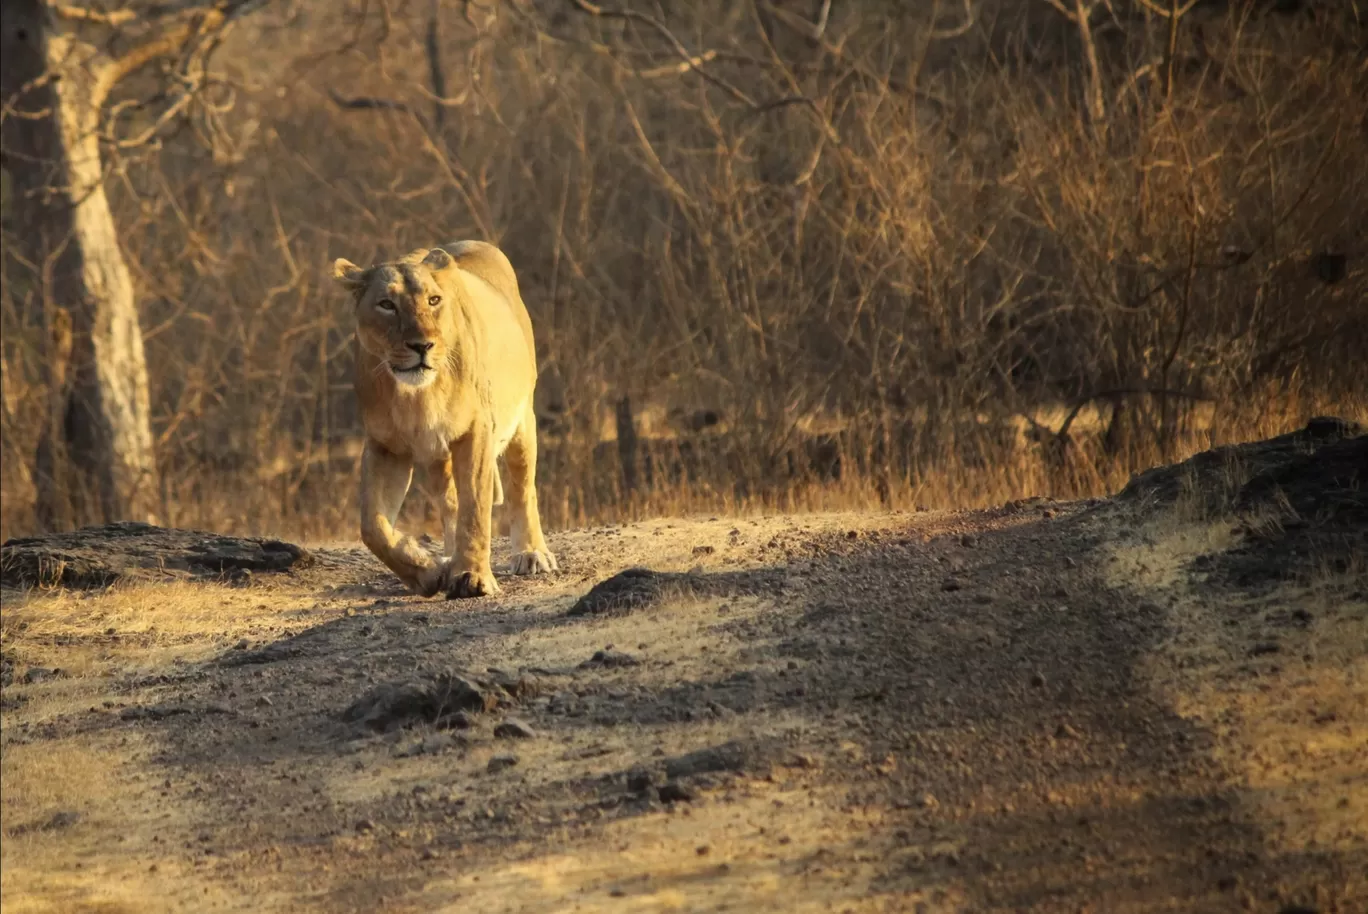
{"x": 422, "y": 348}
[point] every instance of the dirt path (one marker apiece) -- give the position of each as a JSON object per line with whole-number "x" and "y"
{"x": 1045, "y": 707}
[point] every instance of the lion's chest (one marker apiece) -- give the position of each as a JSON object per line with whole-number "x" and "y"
{"x": 419, "y": 428}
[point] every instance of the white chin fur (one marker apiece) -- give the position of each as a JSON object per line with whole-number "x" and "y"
{"x": 414, "y": 380}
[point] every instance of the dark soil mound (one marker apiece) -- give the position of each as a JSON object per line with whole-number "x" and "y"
{"x": 100, "y": 556}
{"x": 1300, "y": 499}
{"x": 639, "y": 588}
{"x": 1306, "y": 516}
{"x": 635, "y": 588}
{"x": 1217, "y": 472}
{"x": 1324, "y": 485}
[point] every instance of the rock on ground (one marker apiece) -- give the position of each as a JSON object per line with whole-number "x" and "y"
{"x": 639, "y": 588}
{"x": 102, "y": 555}
{"x": 425, "y": 699}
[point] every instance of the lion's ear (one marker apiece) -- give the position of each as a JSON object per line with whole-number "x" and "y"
{"x": 438, "y": 259}
{"x": 349, "y": 274}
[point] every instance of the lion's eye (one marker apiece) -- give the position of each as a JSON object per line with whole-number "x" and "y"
{"x": 385, "y": 304}
{"x": 435, "y": 300}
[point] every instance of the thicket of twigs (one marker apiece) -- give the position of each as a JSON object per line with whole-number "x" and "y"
{"x": 852, "y": 252}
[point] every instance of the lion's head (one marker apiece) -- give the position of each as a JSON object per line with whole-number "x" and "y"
{"x": 405, "y": 313}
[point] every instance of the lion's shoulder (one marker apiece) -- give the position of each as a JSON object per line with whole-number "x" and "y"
{"x": 484, "y": 260}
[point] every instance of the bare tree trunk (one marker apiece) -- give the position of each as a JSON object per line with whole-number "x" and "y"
{"x": 627, "y": 444}
{"x": 57, "y": 86}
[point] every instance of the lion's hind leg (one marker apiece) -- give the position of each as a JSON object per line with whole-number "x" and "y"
{"x": 442, "y": 489}
{"x": 530, "y": 552}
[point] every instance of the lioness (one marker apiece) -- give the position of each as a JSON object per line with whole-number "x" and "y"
{"x": 445, "y": 369}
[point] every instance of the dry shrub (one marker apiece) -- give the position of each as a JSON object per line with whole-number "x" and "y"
{"x": 879, "y": 267}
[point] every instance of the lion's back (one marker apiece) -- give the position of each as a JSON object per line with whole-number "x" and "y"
{"x": 486, "y": 262}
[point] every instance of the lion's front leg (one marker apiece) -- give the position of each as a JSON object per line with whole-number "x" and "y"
{"x": 385, "y": 480}
{"x": 472, "y": 463}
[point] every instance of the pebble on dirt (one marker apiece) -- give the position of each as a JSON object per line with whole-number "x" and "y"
{"x": 734, "y": 756}
{"x": 640, "y": 779}
{"x": 502, "y": 761}
{"x": 609, "y": 658}
{"x": 391, "y": 705}
{"x": 513, "y": 728}
{"x": 674, "y": 792}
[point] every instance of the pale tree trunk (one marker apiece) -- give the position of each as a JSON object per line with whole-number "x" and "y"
{"x": 96, "y": 460}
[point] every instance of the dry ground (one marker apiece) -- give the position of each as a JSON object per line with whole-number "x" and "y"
{"x": 1046, "y": 706}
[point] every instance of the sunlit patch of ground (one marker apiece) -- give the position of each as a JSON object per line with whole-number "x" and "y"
{"x": 1278, "y": 677}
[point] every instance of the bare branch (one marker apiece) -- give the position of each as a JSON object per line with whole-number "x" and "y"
{"x": 1081, "y": 16}
{"x": 1063, "y": 10}
{"x": 436, "y": 72}
{"x": 85, "y": 14}
{"x": 677, "y": 69}
{"x": 970, "y": 20}
{"x": 200, "y": 27}
{"x": 809, "y": 169}
{"x": 819, "y": 29}
{"x": 186, "y": 96}
{"x": 454, "y": 173}
{"x": 441, "y": 101}
{"x": 813, "y": 31}
{"x": 657, "y": 167}
{"x": 664, "y": 31}
{"x": 837, "y": 52}
{"x": 1178, "y": 13}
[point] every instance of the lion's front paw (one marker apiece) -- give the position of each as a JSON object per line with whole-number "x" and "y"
{"x": 472, "y": 584}
{"x": 534, "y": 561}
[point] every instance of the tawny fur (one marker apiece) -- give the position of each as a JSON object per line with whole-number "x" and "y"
{"x": 452, "y": 409}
